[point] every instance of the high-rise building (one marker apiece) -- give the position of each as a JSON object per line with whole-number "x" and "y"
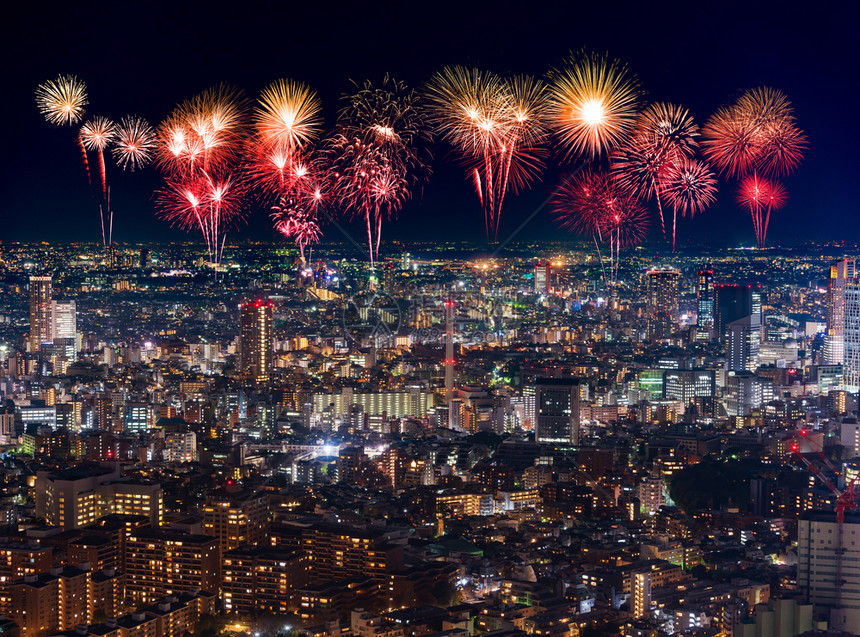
{"x": 732, "y": 302}
{"x": 64, "y": 322}
{"x": 557, "y": 410}
{"x": 543, "y": 275}
{"x": 40, "y": 312}
{"x": 255, "y": 340}
{"x": 828, "y": 565}
{"x": 167, "y": 563}
{"x": 842, "y": 341}
{"x": 743, "y": 343}
{"x": 705, "y": 299}
{"x": 74, "y": 498}
{"x": 662, "y": 301}
{"x": 262, "y": 579}
{"x": 236, "y": 519}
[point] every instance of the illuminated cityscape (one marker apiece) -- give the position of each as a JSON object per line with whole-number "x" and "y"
{"x": 357, "y": 321}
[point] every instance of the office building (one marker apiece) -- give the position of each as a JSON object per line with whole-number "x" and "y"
{"x": 137, "y": 417}
{"x": 825, "y": 553}
{"x": 40, "y": 312}
{"x": 705, "y": 299}
{"x": 543, "y": 278}
{"x": 743, "y": 343}
{"x": 747, "y": 392}
{"x": 842, "y": 340}
{"x": 685, "y": 385}
{"x": 733, "y": 302}
{"x": 662, "y": 301}
{"x": 557, "y": 410}
{"x": 64, "y": 321}
{"x": 256, "y": 349}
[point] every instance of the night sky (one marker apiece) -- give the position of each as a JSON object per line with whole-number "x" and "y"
{"x": 143, "y": 59}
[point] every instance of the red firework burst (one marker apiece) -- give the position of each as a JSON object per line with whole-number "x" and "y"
{"x": 594, "y": 205}
{"x": 690, "y": 187}
{"x": 760, "y": 197}
{"x": 199, "y": 150}
{"x": 498, "y": 127}
{"x": 378, "y": 154}
{"x": 663, "y": 138}
{"x": 295, "y": 218}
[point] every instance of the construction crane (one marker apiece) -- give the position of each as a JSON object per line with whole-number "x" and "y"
{"x": 846, "y": 500}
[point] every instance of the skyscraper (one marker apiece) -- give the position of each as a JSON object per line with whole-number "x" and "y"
{"x": 732, "y": 302}
{"x": 64, "y": 322}
{"x": 557, "y": 410}
{"x": 255, "y": 340}
{"x": 705, "y": 299}
{"x": 662, "y": 301}
{"x": 842, "y": 341}
{"x": 40, "y": 312}
{"x": 743, "y": 343}
{"x": 543, "y": 274}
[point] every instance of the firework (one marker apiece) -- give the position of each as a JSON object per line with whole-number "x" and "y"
{"x": 663, "y": 137}
{"x": 497, "y": 126}
{"x": 94, "y": 136}
{"x": 760, "y": 197}
{"x": 378, "y": 154}
{"x": 287, "y": 116}
{"x": 98, "y": 133}
{"x": 62, "y": 100}
{"x": 295, "y": 218}
{"x": 593, "y": 204}
{"x": 756, "y": 135}
{"x": 690, "y": 187}
{"x": 199, "y": 147}
{"x": 204, "y": 133}
{"x": 780, "y": 142}
{"x": 592, "y": 104}
{"x": 135, "y": 143}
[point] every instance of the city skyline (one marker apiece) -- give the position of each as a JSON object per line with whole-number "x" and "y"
{"x": 414, "y": 320}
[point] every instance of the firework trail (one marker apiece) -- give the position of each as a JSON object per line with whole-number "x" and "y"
{"x": 95, "y": 135}
{"x": 663, "y": 137}
{"x": 592, "y": 104}
{"x": 199, "y": 151}
{"x": 498, "y": 128}
{"x": 593, "y": 204}
{"x": 761, "y": 196}
{"x": 378, "y": 154}
{"x": 756, "y": 135}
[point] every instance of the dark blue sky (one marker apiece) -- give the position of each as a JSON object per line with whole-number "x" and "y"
{"x": 142, "y": 58}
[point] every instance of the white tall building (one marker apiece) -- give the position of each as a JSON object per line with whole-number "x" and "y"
{"x": 180, "y": 447}
{"x": 743, "y": 344}
{"x": 842, "y": 341}
{"x": 819, "y": 546}
{"x": 64, "y": 329}
{"x": 64, "y": 320}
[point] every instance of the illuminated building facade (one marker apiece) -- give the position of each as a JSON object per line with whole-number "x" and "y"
{"x": 256, "y": 349}
{"x": 40, "y": 312}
